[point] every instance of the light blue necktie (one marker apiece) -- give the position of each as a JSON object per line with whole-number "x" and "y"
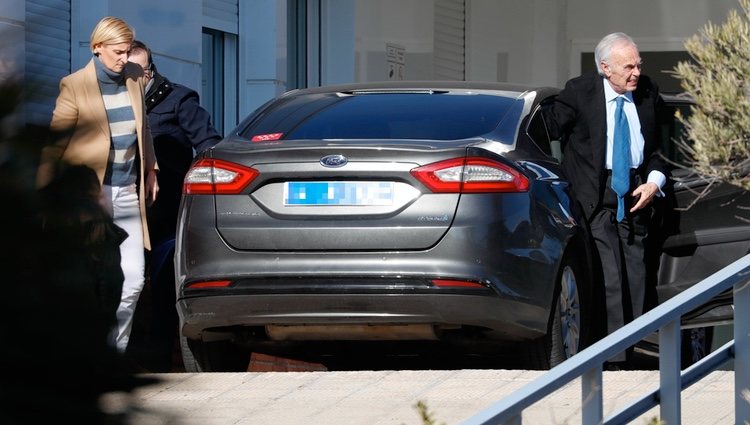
{"x": 621, "y": 158}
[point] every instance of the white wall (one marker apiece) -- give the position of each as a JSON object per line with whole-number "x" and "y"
{"x": 500, "y": 40}
{"x": 532, "y": 41}
{"x": 408, "y": 23}
{"x": 655, "y": 25}
{"x": 543, "y": 39}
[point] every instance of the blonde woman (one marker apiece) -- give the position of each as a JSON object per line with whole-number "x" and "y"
{"x": 101, "y": 114}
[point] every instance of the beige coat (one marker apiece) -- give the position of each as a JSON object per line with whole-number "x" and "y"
{"x": 81, "y": 115}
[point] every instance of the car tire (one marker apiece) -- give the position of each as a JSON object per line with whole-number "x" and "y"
{"x": 214, "y": 356}
{"x": 189, "y": 350}
{"x": 570, "y": 321}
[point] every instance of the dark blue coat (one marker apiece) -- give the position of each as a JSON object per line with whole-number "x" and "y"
{"x": 180, "y": 127}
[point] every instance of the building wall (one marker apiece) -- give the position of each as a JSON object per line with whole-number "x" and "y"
{"x": 405, "y": 23}
{"x": 534, "y": 41}
{"x": 262, "y": 53}
{"x": 543, "y": 39}
{"x": 517, "y": 41}
{"x": 171, "y": 28}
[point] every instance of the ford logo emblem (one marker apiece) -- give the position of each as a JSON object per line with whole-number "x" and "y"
{"x": 333, "y": 161}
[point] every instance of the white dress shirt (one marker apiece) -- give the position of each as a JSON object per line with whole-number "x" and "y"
{"x": 636, "y": 137}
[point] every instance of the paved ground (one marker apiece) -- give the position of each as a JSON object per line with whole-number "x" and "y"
{"x": 389, "y": 397}
{"x": 385, "y": 396}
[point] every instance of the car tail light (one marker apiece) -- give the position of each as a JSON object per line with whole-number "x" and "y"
{"x": 471, "y": 175}
{"x": 217, "y": 177}
{"x": 209, "y": 284}
{"x": 451, "y": 283}
{"x": 266, "y": 137}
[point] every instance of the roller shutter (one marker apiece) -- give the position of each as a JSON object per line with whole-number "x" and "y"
{"x": 450, "y": 23}
{"x": 221, "y": 15}
{"x": 47, "y": 55}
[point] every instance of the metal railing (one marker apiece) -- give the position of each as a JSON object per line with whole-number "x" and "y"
{"x": 666, "y": 320}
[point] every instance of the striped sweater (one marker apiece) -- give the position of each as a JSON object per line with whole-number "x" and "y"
{"x": 123, "y": 152}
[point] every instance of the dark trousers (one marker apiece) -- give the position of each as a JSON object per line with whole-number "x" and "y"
{"x": 164, "y": 320}
{"x": 621, "y": 253}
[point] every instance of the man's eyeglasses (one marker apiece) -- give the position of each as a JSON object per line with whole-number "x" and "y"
{"x": 149, "y": 70}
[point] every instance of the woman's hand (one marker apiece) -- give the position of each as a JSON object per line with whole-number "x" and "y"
{"x": 152, "y": 187}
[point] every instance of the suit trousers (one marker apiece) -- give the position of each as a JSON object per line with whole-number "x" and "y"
{"x": 122, "y": 203}
{"x": 620, "y": 246}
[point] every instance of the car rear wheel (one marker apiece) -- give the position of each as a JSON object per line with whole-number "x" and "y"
{"x": 214, "y": 356}
{"x": 189, "y": 360}
{"x": 570, "y": 320}
{"x": 567, "y": 321}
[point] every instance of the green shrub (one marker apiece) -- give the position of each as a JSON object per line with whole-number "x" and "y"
{"x": 719, "y": 82}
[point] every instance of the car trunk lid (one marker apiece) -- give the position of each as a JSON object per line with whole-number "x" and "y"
{"x": 341, "y": 196}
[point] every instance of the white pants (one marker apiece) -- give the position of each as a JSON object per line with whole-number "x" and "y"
{"x": 122, "y": 203}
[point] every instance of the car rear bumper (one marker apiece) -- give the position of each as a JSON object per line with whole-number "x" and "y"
{"x": 387, "y": 315}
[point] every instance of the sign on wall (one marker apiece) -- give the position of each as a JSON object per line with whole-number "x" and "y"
{"x": 396, "y": 57}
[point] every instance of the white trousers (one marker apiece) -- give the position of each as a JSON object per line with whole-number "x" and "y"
{"x": 122, "y": 203}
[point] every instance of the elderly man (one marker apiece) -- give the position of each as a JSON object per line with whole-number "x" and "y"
{"x": 608, "y": 123}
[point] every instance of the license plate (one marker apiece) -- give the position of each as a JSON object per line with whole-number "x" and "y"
{"x": 338, "y": 193}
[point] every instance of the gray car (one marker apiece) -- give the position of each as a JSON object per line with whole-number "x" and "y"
{"x": 399, "y": 212}
{"x": 416, "y": 212}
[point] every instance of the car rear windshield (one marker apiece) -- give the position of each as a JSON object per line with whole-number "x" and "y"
{"x": 422, "y": 115}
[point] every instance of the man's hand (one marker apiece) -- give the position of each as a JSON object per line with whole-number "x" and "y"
{"x": 644, "y": 194}
{"x": 152, "y": 187}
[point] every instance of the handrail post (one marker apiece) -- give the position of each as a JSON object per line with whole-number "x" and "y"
{"x": 742, "y": 352}
{"x": 592, "y": 396}
{"x": 669, "y": 372}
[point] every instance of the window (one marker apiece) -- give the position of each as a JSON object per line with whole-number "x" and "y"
{"x": 537, "y": 131}
{"x": 296, "y": 44}
{"x": 212, "y": 82}
{"x": 437, "y": 116}
{"x": 673, "y": 131}
{"x": 219, "y": 78}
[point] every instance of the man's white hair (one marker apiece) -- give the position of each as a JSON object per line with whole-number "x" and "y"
{"x": 605, "y": 46}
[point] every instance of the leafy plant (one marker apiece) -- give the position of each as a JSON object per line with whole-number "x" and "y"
{"x": 425, "y": 415}
{"x": 719, "y": 82}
